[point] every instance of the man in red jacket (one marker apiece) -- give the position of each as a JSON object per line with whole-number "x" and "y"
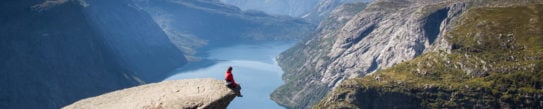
{"x": 231, "y": 83}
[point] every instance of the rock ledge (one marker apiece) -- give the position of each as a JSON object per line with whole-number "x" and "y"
{"x": 176, "y": 94}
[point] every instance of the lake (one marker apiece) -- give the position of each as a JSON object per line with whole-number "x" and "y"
{"x": 254, "y": 67}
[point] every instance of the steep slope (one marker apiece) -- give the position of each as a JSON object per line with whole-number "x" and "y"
{"x": 387, "y": 32}
{"x": 55, "y": 52}
{"x": 138, "y": 42}
{"x": 53, "y": 57}
{"x": 208, "y": 23}
{"x": 296, "y": 56}
{"x": 496, "y": 61}
{"x": 178, "y": 94}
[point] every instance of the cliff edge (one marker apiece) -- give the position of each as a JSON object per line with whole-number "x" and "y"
{"x": 177, "y": 94}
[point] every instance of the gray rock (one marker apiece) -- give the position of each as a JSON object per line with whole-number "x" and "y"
{"x": 176, "y": 94}
{"x": 385, "y": 33}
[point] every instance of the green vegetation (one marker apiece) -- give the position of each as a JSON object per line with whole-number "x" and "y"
{"x": 496, "y": 61}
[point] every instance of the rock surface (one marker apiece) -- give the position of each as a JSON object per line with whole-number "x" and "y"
{"x": 384, "y": 34}
{"x": 496, "y": 62}
{"x": 176, "y": 94}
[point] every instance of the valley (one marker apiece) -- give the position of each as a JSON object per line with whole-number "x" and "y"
{"x": 286, "y": 54}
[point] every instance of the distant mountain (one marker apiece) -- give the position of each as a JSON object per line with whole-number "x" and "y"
{"x": 383, "y": 35}
{"x": 55, "y": 52}
{"x": 325, "y": 7}
{"x": 293, "y": 8}
{"x": 313, "y": 10}
{"x": 206, "y": 23}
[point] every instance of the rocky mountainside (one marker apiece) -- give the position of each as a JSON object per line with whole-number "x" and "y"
{"x": 139, "y": 42}
{"x": 384, "y": 34}
{"x": 175, "y": 94}
{"x": 297, "y": 56}
{"x": 54, "y": 52}
{"x": 192, "y": 24}
{"x": 496, "y": 61}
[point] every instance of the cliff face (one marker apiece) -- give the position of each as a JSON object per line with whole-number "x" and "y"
{"x": 177, "y": 94}
{"x": 57, "y": 52}
{"x": 494, "y": 62}
{"x": 294, "y": 59}
{"x": 132, "y": 35}
{"x": 384, "y": 34}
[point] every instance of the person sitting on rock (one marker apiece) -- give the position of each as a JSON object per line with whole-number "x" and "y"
{"x": 231, "y": 83}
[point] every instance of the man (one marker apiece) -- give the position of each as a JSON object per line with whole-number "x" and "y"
{"x": 231, "y": 83}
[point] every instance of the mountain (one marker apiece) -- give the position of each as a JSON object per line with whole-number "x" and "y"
{"x": 310, "y": 10}
{"x": 175, "y": 94}
{"x": 192, "y": 24}
{"x": 294, "y": 61}
{"x": 494, "y": 62}
{"x": 55, "y": 52}
{"x": 293, "y": 8}
{"x": 384, "y": 34}
{"x": 324, "y": 7}
{"x": 139, "y": 42}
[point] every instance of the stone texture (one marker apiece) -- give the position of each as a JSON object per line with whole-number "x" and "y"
{"x": 175, "y": 94}
{"x": 385, "y": 33}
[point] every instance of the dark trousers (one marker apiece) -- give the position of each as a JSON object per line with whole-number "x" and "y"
{"x": 236, "y": 89}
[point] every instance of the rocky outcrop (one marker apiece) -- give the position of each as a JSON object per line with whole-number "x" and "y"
{"x": 384, "y": 34}
{"x": 175, "y": 94}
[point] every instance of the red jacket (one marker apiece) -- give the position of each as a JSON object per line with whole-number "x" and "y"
{"x": 229, "y": 77}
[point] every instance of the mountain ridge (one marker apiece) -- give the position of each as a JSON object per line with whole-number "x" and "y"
{"x": 202, "y": 24}
{"x": 494, "y": 62}
{"x": 385, "y": 33}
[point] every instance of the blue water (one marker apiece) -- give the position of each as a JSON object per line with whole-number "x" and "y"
{"x": 254, "y": 68}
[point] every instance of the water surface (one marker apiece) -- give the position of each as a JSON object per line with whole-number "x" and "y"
{"x": 254, "y": 68}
